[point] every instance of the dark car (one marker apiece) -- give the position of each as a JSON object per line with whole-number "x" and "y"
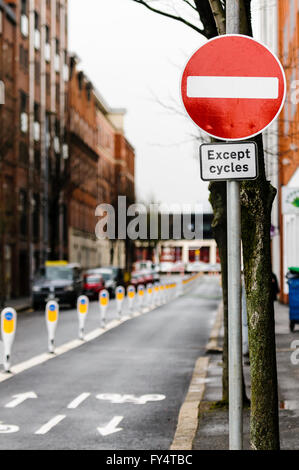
{"x": 62, "y": 282}
{"x": 118, "y": 274}
{"x": 93, "y": 284}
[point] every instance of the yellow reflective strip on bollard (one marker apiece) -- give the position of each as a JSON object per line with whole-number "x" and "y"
{"x": 8, "y": 326}
{"x": 83, "y": 308}
{"x": 52, "y": 316}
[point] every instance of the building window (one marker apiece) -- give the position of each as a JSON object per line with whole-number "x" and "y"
{"x": 57, "y": 55}
{"x": 23, "y": 113}
{"x": 48, "y": 45}
{"x": 23, "y": 153}
{"x": 48, "y": 83}
{"x": 24, "y": 18}
{"x": 66, "y": 67}
{"x": 24, "y": 7}
{"x": 36, "y": 122}
{"x": 57, "y": 93}
{"x": 88, "y": 91}
{"x": 37, "y": 71}
{"x": 37, "y": 159}
{"x": 35, "y": 216}
{"x": 80, "y": 80}
{"x": 23, "y": 211}
{"x": 36, "y": 31}
{"x": 23, "y": 58}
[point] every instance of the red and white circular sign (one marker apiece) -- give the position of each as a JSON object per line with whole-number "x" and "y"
{"x": 233, "y": 87}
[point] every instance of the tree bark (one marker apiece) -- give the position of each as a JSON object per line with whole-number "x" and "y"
{"x": 256, "y": 200}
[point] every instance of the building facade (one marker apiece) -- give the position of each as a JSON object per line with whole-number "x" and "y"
{"x": 40, "y": 73}
{"x": 8, "y": 148}
{"x": 101, "y": 167}
{"x": 266, "y": 30}
{"x": 288, "y": 33}
{"x": 59, "y": 149}
{"x": 277, "y": 25}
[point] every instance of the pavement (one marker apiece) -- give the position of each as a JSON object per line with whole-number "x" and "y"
{"x": 212, "y": 432}
{"x": 20, "y": 304}
{"x": 123, "y": 388}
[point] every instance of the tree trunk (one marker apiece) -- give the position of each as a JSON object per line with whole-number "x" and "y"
{"x": 256, "y": 199}
{"x": 218, "y": 202}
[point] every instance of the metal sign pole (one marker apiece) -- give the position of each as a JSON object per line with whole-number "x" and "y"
{"x": 234, "y": 281}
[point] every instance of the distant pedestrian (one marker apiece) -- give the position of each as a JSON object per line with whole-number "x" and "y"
{"x": 274, "y": 287}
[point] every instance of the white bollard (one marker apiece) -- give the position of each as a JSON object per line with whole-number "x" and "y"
{"x": 131, "y": 293}
{"x": 140, "y": 291}
{"x": 149, "y": 295}
{"x": 8, "y": 331}
{"x": 157, "y": 293}
{"x": 82, "y": 310}
{"x": 162, "y": 293}
{"x": 120, "y": 296}
{"x": 52, "y": 316}
{"x": 104, "y": 302}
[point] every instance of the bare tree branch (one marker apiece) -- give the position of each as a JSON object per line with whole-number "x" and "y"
{"x": 169, "y": 15}
{"x": 190, "y": 5}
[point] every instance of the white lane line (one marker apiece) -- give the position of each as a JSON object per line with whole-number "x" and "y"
{"x": 77, "y": 401}
{"x": 232, "y": 87}
{"x": 50, "y": 424}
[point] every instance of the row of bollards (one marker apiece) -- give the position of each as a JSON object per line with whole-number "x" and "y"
{"x": 146, "y": 298}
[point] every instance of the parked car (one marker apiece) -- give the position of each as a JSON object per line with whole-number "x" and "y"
{"x": 57, "y": 280}
{"x": 137, "y": 279}
{"x": 166, "y": 267}
{"x": 93, "y": 284}
{"x": 108, "y": 277}
{"x": 119, "y": 275}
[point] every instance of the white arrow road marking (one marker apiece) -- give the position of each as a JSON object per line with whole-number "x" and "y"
{"x": 232, "y": 87}
{"x": 50, "y": 424}
{"x": 18, "y": 399}
{"x": 8, "y": 428}
{"x": 77, "y": 401}
{"x": 117, "y": 398}
{"x": 111, "y": 427}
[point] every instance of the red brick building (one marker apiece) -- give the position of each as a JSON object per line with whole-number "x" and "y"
{"x": 8, "y": 148}
{"x": 101, "y": 165}
{"x": 35, "y": 32}
{"x": 62, "y": 149}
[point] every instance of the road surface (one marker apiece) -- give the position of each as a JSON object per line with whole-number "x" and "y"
{"x": 123, "y": 390}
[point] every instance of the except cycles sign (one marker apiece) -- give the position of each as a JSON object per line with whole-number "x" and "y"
{"x": 219, "y": 162}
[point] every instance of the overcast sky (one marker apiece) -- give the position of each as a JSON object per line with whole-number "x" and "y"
{"x": 135, "y": 58}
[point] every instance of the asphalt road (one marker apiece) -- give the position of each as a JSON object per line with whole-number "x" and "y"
{"x": 124, "y": 389}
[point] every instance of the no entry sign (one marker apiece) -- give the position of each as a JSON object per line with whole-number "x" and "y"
{"x": 233, "y": 87}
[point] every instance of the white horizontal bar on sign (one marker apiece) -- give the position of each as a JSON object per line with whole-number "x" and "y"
{"x": 232, "y": 87}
